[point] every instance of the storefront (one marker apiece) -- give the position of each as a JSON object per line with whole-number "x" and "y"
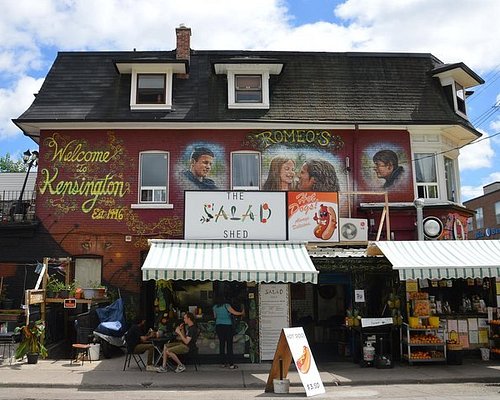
{"x": 455, "y": 281}
{"x": 256, "y": 275}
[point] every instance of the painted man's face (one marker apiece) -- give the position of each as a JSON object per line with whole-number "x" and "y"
{"x": 201, "y": 168}
{"x": 306, "y": 182}
{"x": 382, "y": 169}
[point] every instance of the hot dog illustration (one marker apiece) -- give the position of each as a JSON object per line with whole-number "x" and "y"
{"x": 326, "y": 222}
{"x": 304, "y": 361}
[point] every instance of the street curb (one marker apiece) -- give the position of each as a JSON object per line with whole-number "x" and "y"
{"x": 152, "y": 385}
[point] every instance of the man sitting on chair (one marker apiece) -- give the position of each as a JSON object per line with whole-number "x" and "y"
{"x": 138, "y": 342}
{"x": 187, "y": 334}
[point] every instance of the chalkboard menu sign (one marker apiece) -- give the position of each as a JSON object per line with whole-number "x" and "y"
{"x": 274, "y": 315}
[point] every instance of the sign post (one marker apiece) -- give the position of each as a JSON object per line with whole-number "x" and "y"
{"x": 293, "y": 344}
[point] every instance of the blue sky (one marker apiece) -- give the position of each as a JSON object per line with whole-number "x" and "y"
{"x": 33, "y": 31}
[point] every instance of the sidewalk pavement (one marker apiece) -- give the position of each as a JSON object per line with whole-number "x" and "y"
{"x": 108, "y": 374}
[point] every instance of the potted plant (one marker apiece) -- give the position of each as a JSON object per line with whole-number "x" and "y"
{"x": 95, "y": 291}
{"x": 31, "y": 344}
{"x": 52, "y": 287}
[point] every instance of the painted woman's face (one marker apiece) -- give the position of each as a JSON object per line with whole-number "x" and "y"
{"x": 287, "y": 172}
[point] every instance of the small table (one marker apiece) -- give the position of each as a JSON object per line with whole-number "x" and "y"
{"x": 158, "y": 344}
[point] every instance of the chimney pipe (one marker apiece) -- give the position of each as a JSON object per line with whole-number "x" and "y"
{"x": 183, "y": 50}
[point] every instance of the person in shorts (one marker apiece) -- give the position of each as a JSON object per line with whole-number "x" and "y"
{"x": 187, "y": 334}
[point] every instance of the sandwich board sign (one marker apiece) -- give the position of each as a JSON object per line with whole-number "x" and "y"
{"x": 293, "y": 345}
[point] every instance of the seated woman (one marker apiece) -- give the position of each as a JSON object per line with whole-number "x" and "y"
{"x": 187, "y": 334}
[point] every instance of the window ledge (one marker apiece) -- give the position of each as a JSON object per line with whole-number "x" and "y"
{"x": 150, "y": 107}
{"x": 248, "y": 106}
{"x": 152, "y": 206}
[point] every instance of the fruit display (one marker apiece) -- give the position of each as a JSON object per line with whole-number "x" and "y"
{"x": 419, "y": 296}
{"x": 427, "y": 346}
{"x": 494, "y": 322}
{"x": 420, "y": 355}
{"x": 421, "y": 308}
{"x": 425, "y": 339}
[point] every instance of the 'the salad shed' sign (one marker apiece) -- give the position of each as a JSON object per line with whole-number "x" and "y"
{"x": 235, "y": 215}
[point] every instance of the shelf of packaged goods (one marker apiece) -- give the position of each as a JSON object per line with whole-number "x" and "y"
{"x": 424, "y": 344}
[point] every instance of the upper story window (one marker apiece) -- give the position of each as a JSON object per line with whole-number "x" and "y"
{"x": 435, "y": 165}
{"x": 245, "y": 170}
{"x": 455, "y": 79}
{"x": 151, "y": 82}
{"x": 248, "y": 88}
{"x": 460, "y": 97}
{"x": 151, "y": 88}
{"x": 426, "y": 176}
{"x": 450, "y": 178}
{"x": 479, "y": 218}
{"x": 497, "y": 211}
{"x": 154, "y": 177}
{"x": 248, "y": 83}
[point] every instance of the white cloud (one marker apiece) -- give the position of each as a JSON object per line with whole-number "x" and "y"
{"x": 479, "y": 154}
{"x": 14, "y": 101}
{"x": 470, "y": 192}
{"x": 453, "y": 30}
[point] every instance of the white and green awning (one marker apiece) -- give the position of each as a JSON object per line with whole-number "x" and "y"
{"x": 443, "y": 259}
{"x": 229, "y": 261}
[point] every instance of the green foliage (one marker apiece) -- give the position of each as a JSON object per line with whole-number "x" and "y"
{"x": 54, "y": 285}
{"x": 7, "y": 164}
{"x": 31, "y": 340}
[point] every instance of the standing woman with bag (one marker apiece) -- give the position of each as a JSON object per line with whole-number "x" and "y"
{"x": 224, "y": 328}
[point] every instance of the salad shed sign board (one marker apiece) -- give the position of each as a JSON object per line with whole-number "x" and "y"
{"x": 293, "y": 345}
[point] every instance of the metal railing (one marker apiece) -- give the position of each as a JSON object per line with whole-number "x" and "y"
{"x": 9, "y": 200}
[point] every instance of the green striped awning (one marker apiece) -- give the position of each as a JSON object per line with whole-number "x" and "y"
{"x": 229, "y": 261}
{"x": 443, "y": 259}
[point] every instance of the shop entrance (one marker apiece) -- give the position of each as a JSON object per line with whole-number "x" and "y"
{"x": 320, "y": 310}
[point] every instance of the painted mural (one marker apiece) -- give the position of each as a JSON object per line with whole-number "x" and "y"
{"x": 385, "y": 166}
{"x": 202, "y": 167}
{"x": 85, "y": 177}
{"x": 300, "y": 169}
{"x": 93, "y": 179}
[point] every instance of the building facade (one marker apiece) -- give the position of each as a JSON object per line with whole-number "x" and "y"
{"x": 485, "y": 224}
{"x": 125, "y": 136}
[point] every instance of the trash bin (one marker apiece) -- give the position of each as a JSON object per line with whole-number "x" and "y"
{"x": 95, "y": 349}
{"x": 485, "y": 353}
{"x": 454, "y": 354}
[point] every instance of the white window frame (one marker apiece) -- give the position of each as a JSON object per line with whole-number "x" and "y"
{"x": 264, "y": 70}
{"x": 436, "y": 144}
{"x": 449, "y": 81}
{"x": 497, "y": 212}
{"x": 259, "y": 162}
{"x": 451, "y": 181}
{"x": 153, "y": 204}
{"x": 88, "y": 271}
{"x": 479, "y": 218}
{"x": 231, "y": 93}
{"x": 151, "y": 69}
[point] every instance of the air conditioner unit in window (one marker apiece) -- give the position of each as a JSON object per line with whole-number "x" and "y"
{"x": 353, "y": 230}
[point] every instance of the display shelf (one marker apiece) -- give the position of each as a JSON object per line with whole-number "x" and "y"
{"x": 416, "y": 350}
{"x": 494, "y": 338}
{"x": 417, "y": 360}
